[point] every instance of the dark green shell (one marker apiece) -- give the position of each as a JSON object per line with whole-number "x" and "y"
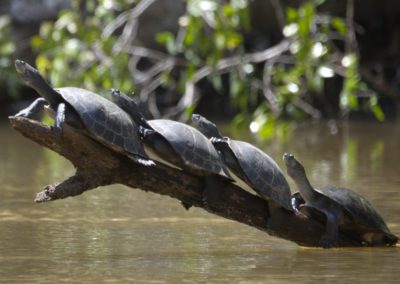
{"x": 194, "y": 148}
{"x": 361, "y": 221}
{"x": 104, "y": 120}
{"x": 263, "y": 174}
{"x": 357, "y": 207}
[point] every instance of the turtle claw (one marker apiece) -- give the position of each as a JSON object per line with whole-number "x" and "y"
{"x": 328, "y": 241}
{"x": 213, "y": 139}
{"x": 24, "y": 113}
{"x": 204, "y": 199}
{"x": 216, "y": 140}
{"x": 297, "y": 201}
{"x": 145, "y": 132}
{"x": 186, "y": 205}
{"x": 33, "y": 109}
{"x": 60, "y": 118}
{"x": 145, "y": 162}
{"x": 211, "y": 193}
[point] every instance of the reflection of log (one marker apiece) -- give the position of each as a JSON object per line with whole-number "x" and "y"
{"x": 97, "y": 166}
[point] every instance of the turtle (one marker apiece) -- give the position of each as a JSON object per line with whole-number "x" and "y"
{"x": 342, "y": 209}
{"x": 176, "y": 144}
{"x": 248, "y": 164}
{"x": 96, "y": 116}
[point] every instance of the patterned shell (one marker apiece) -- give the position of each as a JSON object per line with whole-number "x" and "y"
{"x": 356, "y": 207}
{"x": 193, "y": 147}
{"x": 104, "y": 120}
{"x": 263, "y": 174}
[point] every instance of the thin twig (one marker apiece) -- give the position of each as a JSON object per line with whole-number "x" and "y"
{"x": 145, "y": 52}
{"x": 307, "y": 108}
{"x": 269, "y": 95}
{"x": 227, "y": 64}
{"x": 351, "y": 41}
{"x": 126, "y": 16}
{"x": 279, "y": 12}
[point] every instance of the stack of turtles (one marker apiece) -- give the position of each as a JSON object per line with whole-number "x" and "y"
{"x": 203, "y": 151}
{"x": 177, "y": 144}
{"x": 251, "y": 167}
{"x": 96, "y": 116}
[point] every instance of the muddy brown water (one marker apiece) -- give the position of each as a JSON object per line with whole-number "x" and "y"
{"x": 117, "y": 234}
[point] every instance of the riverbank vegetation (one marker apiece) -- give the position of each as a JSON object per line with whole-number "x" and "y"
{"x": 311, "y": 69}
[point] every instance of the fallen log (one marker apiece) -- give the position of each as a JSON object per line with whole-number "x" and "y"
{"x": 97, "y": 166}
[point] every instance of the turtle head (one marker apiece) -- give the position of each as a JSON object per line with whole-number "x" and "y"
{"x": 293, "y": 167}
{"x": 129, "y": 106}
{"x": 123, "y": 100}
{"x": 145, "y": 133}
{"x": 29, "y": 74}
{"x": 205, "y": 126}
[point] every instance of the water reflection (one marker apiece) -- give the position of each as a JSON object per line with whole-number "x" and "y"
{"x": 121, "y": 235}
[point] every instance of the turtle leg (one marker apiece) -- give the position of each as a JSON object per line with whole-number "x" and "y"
{"x": 33, "y": 109}
{"x": 330, "y": 238}
{"x": 161, "y": 147}
{"x": 60, "y": 118}
{"x": 186, "y": 205}
{"x": 274, "y": 217}
{"x": 146, "y": 133}
{"x": 141, "y": 160}
{"x": 297, "y": 201}
{"x": 211, "y": 191}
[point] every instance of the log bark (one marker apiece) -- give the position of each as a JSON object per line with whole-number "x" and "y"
{"x": 97, "y": 166}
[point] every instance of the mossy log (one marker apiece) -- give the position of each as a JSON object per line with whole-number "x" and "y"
{"x": 97, "y": 166}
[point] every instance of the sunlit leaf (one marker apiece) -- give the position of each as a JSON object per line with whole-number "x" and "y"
{"x": 291, "y": 14}
{"x": 339, "y": 25}
{"x": 217, "y": 83}
{"x": 42, "y": 63}
{"x": 7, "y": 48}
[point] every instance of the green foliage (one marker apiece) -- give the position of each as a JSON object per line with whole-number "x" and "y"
{"x": 210, "y": 30}
{"x": 74, "y": 51}
{"x": 353, "y": 86}
{"x": 296, "y": 81}
{"x": 312, "y": 60}
{"x": 311, "y": 55}
{"x": 8, "y": 78}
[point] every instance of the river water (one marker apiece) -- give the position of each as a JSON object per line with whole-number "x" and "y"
{"x": 118, "y": 234}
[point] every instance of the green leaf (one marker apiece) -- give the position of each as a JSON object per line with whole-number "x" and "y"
{"x": 164, "y": 37}
{"x": 7, "y": 48}
{"x": 42, "y": 64}
{"x": 217, "y": 83}
{"x": 378, "y": 113}
{"x": 36, "y": 42}
{"x": 233, "y": 40}
{"x": 291, "y": 14}
{"x": 375, "y": 108}
{"x": 339, "y": 25}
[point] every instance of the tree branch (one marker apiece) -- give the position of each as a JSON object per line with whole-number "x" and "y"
{"x": 97, "y": 166}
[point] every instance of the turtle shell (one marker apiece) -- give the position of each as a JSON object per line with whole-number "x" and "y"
{"x": 104, "y": 120}
{"x": 360, "y": 214}
{"x": 262, "y": 173}
{"x": 196, "y": 151}
{"x": 361, "y": 221}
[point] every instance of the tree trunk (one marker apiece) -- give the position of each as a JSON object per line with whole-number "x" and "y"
{"x": 97, "y": 166}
